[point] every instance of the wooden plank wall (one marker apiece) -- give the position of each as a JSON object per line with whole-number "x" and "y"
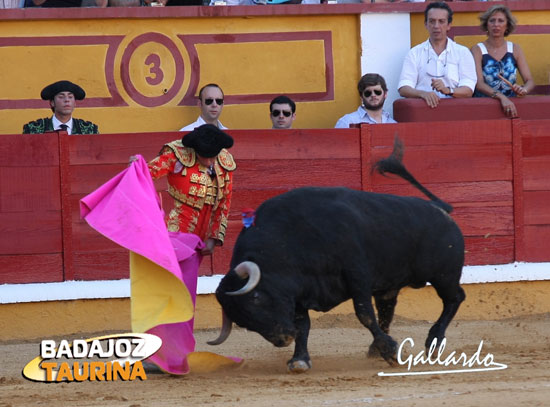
{"x": 535, "y": 146}
{"x": 272, "y": 162}
{"x": 94, "y": 159}
{"x": 466, "y": 164}
{"x": 31, "y": 245}
{"x": 267, "y": 166}
{"x": 474, "y": 166}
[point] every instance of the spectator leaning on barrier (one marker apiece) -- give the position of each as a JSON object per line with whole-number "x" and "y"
{"x": 62, "y": 96}
{"x": 211, "y": 105}
{"x": 282, "y": 111}
{"x": 373, "y": 92}
{"x": 497, "y": 60}
{"x": 439, "y": 67}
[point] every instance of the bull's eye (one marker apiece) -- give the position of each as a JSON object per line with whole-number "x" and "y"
{"x": 256, "y": 298}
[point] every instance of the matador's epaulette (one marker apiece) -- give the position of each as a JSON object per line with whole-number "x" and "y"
{"x": 185, "y": 155}
{"x": 226, "y": 160}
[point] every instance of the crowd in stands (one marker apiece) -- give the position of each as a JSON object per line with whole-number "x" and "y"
{"x": 436, "y": 69}
{"x": 440, "y": 68}
{"x": 138, "y": 3}
{"x": 154, "y": 3}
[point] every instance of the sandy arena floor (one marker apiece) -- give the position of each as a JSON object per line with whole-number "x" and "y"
{"x": 341, "y": 374}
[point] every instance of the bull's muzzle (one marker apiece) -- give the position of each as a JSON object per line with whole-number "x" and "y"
{"x": 282, "y": 341}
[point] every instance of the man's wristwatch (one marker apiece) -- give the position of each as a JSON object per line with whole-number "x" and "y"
{"x": 451, "y": 92}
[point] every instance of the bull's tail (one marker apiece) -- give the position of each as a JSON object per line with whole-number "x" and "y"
{"x": 394, "y": 165}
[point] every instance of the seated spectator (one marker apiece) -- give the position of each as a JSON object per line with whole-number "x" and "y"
{"x": 116, "y": 3}
{"x": 12, "y": 4}
{"x": 167, "y": 2}
{"x": 170, "y": 3}
{"x": 57, "y": 3}
{"x": 211, "y": 105}
{"x": 74, "y": 3}
{"x": 235, "y": 2}
{"x": 373, "y": 92}
{"x": 497, "y": 61}
{"x": 62, "y": 96}
{"x": 278, "y": 1}
{"x": 439, "y": 67}
{"x": 82, "y": 3}
{"x": 263, "y": 2}
{"x": 282, "y": 111}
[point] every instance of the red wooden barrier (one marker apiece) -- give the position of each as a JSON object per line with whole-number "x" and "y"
{"x": 31, "y": 244}
{"x": 493, "y": 172}
{"x": 471, "y": 169}
{"x": 535, "y": 145}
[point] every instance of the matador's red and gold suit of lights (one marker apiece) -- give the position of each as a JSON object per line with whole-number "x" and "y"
{"x": 202, "y": 195}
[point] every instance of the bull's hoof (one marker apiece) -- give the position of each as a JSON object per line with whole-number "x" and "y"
{"x": 392, "y": 361}
{"x": 385, "y": 347}
{"x": 429, "y": 342}
{"x": 298, "y": 366}
{"x": 373, "y": 352}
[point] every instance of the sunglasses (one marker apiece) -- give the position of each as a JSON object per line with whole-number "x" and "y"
{"x": 209, "y": 101}
{"x": 368, "y": 93}
{"x": 276, "y": 113}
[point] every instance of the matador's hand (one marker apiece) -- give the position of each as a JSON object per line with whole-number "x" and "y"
{"x": 209, "y": 247}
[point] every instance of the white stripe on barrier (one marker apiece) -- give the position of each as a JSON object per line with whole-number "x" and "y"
{"x": 76, "y": 290}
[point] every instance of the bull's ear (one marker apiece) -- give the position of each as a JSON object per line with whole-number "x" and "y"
{"x": 243, "y": 270}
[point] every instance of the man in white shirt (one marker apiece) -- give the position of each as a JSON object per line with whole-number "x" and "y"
{"x": 439, "y": 67}
{"x": 373, "y": 92}
{"x": 211, "y": 105}
{"x": 282, "y": 111}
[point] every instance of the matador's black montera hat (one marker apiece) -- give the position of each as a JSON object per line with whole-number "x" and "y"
{"x": 207, "y": 140}
{"x": 49, "y": 92}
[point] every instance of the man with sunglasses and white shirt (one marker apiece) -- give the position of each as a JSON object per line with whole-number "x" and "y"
{"x": 211, "y": 105}
{"x": 282, "y": 111}
{"x": 373, "y": 92}
{"x": 439, "y": 67}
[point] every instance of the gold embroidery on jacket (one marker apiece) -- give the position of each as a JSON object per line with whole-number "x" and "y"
{"x": 185, "y": 155}
{"x": 202, "y": 189}
{"x": 226, "y": 160}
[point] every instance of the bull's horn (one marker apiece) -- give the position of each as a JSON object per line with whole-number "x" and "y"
{"x": 224, "y": 333}
{"x": 247, "y": 269}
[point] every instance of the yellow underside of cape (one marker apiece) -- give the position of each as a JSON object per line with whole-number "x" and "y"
{"x": 158, "y": 297}
{"x": 205, "y": 362}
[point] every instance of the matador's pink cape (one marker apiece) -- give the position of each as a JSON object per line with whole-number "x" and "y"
{"x": 163, "y": 266}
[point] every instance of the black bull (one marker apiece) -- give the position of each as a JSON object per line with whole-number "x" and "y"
{"x": 313, "y": 248}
